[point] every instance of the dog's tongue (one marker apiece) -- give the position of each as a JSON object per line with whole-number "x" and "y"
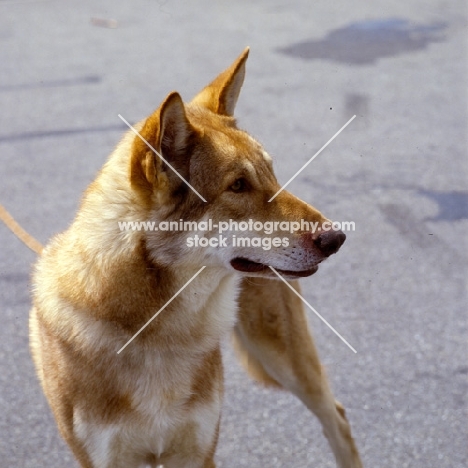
{"x": 242, "y": 264}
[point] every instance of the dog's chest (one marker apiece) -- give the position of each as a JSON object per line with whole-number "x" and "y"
{"x": 164, "y": 385}
{"x": 160, "y": 401}
{"x": 173, "y": 391}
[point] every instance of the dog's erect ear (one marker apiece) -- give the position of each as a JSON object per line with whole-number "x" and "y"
{"x": 221, "y": 94}
{"x": 168, "y": 131}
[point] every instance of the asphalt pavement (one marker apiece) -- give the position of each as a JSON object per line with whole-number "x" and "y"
{"x": 397, "y": 290}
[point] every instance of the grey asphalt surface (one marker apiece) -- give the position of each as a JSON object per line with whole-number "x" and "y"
{"x": 397, "y": 289}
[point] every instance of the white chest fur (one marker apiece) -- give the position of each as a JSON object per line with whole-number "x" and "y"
{"x": 159, "y": 382}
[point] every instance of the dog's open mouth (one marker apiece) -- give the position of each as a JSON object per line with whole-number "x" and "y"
{"x": 248, "y": 266}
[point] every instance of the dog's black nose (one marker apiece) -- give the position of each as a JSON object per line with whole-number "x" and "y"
{"x": 329, "y": 242}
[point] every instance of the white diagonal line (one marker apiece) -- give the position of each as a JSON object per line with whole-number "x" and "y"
{"x": 312, "y": 158}
{"x": 156, "y": 152}
{"x": 312, "y": 309}
{"x": 161, "y": 309}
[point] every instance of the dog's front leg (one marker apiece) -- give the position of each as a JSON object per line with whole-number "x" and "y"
{"x": 276, "y": 347}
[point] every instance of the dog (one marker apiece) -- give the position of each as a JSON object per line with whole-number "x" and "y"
{"x": 126, "y": 324}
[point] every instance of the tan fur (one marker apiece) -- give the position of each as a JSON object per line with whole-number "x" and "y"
{"x": 95, "y": 286}
{"x": 273, "y": 339}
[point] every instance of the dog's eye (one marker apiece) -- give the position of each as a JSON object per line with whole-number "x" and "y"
{"x": 239, "y": 185}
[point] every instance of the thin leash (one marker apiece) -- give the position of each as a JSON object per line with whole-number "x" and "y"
{"x": 19, "y": 232}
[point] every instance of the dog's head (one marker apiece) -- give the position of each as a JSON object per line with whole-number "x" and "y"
{"x": 210, "y": 172}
